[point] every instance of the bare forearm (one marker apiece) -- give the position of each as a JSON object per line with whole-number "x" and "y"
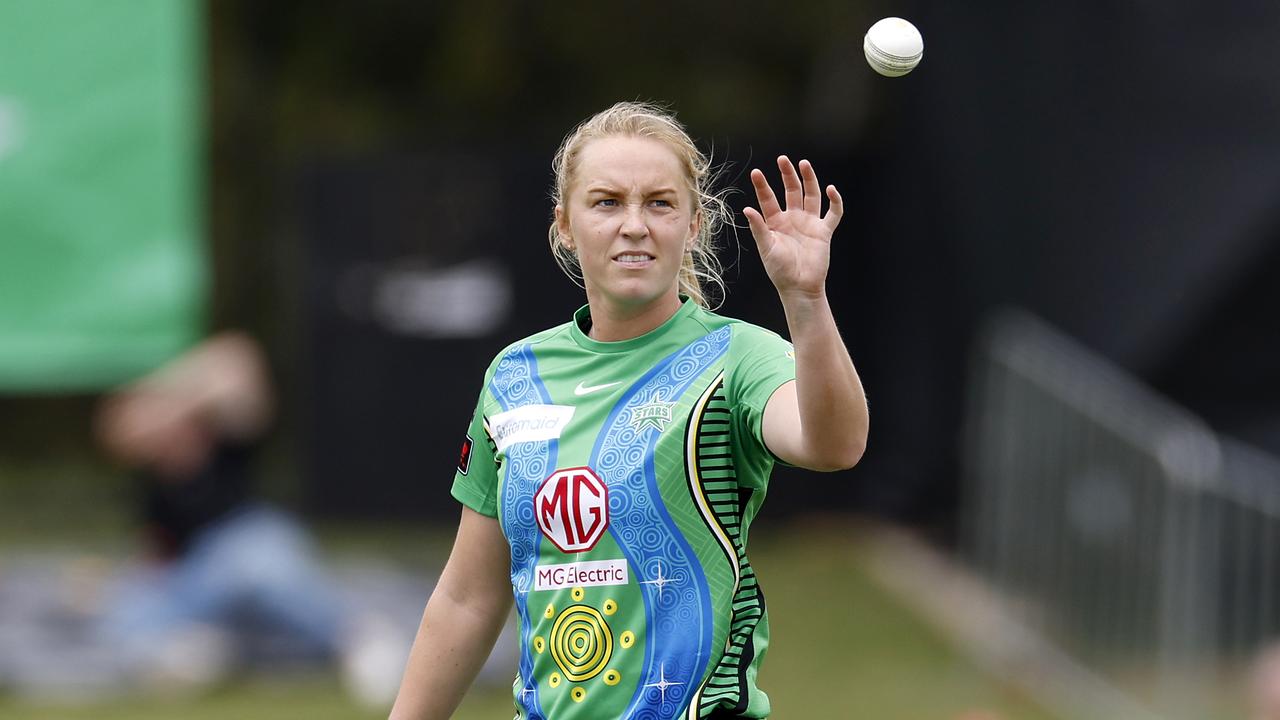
{"x": 829, "y": 394}
{"x": 453, "y": 641}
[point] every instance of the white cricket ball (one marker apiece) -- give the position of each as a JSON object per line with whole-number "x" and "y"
{"x": 893, "y": 47}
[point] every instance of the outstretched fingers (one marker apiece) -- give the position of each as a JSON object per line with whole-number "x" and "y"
{"x": 812, "y": 194}
{"x": 836, "y": 211}
{"x": 759, "y": 230}
{"x": 791, "y": 183}
{"x": 764, "y": 194}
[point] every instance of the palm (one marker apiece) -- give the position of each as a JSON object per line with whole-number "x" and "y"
{"x": 795, "y": 241}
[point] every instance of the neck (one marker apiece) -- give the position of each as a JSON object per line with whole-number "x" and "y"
{"x": 613, "y": 324}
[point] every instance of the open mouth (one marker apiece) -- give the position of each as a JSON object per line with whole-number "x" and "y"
{"x": 633, "y": 259}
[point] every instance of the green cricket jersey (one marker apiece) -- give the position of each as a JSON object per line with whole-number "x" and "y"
{"x": 625, "y": 476}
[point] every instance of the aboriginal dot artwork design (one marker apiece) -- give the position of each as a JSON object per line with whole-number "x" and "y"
{"x": 581, "y": 642}
{"x": 677, "y": 601}
{"x": 584, "y": 648}
{"x": 660, "y": 618}
{"x": 516, "y": 383}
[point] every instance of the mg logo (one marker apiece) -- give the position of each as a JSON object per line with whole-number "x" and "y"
{"x": 572, "y": 507}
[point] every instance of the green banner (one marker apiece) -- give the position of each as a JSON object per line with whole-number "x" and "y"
{"x": 102, "y": 264}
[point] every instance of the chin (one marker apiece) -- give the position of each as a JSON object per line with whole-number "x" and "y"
{"x": 631, "y": 296}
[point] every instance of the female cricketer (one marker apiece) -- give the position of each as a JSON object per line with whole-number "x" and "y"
{"x": 614, "y": 463}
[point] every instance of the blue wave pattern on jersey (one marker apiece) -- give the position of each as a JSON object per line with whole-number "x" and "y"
{"x": 677, "y": 612}
{"x": 516, "y": 383}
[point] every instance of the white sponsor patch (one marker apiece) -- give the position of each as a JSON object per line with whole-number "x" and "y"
{"x": 580, "y": 574}
{"x": 529, "y": 423}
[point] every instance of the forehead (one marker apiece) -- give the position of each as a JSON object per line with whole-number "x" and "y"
{"x": 628, "y": 162}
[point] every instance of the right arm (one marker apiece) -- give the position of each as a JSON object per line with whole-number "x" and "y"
{"x": 461, "y": 623}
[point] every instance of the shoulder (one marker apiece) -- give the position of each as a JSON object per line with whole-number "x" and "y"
{"x": 516, "y": 360}
{"x": 757, "y": 360}
{"x": 543, "y": 337}
{"x": 520, "y": 353}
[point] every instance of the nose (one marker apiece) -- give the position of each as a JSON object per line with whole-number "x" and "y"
{"x": 633, "y": 222}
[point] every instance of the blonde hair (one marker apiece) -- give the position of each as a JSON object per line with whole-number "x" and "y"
{"x": 700, "y": 269}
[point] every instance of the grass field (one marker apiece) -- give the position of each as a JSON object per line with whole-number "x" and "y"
{"x": 841, "y": 647}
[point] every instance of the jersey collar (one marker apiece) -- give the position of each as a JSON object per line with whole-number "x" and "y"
{"x": 687, "y": 307}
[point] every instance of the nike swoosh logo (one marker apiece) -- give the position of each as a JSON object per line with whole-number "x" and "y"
{"x": 588, "y": 389}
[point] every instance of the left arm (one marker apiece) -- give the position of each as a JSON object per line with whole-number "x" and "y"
{"x": 819, "y": 421}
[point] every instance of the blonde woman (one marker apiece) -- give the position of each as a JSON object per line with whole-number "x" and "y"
{"x": 614, "y": 463}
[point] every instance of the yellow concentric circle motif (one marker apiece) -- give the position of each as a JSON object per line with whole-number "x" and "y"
{"x": 554, "y": 680}
{"x": 550, "y": 612}
{"x": 610, "y": 607}
{"x": 578, "y": 593}
{"x": 627, "y": 639}
{"x": 612, "y": 677}
{"x": 578, "y": 694}
{"x": 539, "y": 644}
{"x": 581, "y": 642}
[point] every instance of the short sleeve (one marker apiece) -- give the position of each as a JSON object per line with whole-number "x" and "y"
{"x": 761, "y": 363}
{"x": 476, "y": 482}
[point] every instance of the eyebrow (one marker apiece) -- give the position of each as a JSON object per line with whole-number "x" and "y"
{"x": 608, "y": 189}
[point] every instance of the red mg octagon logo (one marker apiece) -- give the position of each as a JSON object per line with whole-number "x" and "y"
{"x": 572, "y": 507}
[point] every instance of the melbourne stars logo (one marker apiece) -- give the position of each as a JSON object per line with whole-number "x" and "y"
{"x": 654, "y": 413}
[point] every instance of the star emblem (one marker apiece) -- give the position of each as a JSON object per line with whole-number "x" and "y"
{"x": 656, "y": 413}
{"x": 660, "y": 582}
{"x": 663, "y": 683}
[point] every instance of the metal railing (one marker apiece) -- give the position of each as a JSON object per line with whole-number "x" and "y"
{"x": 1118, "y": 527}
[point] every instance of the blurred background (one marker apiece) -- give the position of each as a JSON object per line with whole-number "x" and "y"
{"x": 1057, "y": 277}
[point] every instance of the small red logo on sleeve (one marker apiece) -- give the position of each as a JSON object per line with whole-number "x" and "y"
{"x": 464, "y": 457}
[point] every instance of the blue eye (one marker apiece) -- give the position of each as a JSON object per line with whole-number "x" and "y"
{"x": 607, "y": 202}
{"x": 662, "y": 203}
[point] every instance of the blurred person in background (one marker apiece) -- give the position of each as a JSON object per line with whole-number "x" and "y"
{"x": 1264, "y": 687}
{"x": 614, "y": 463}
{"x": 229, "y": 579}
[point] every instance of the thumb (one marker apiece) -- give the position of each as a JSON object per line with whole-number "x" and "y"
{"x": 759, "y": 230}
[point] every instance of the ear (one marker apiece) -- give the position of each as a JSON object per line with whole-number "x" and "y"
{"x": 562, "y": 227}
{"x": 695, "y": 225}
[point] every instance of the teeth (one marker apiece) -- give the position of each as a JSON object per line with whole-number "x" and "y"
{"x": 633, "y": 258}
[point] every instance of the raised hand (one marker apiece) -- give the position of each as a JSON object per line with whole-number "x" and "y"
{"x": 795, "y": 241}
